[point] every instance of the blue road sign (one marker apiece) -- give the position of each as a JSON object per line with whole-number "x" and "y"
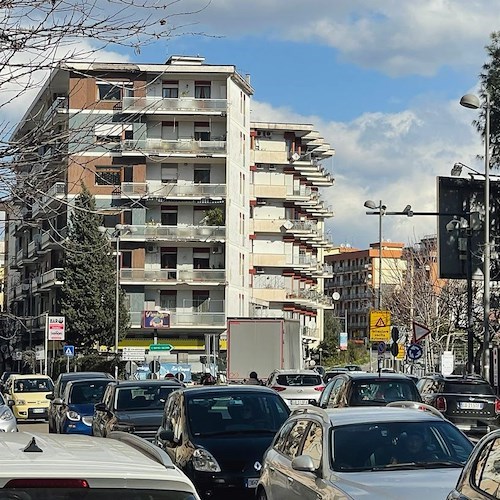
{"x": 69, "y": 350}
{"x": 415, "y": 352}
{"x": 381, "y": 347}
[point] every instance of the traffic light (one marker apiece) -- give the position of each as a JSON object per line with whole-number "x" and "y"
{"x": 394, "y": 333}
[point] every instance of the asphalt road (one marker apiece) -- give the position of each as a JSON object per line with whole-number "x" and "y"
{"x": 33, "y": 426}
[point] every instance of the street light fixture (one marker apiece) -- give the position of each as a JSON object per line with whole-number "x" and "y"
{"x": 117, "y": 233}
{"x": 472, "y": 101}
{"x": 382, "y": 208}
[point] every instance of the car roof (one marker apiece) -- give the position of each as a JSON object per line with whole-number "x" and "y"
{"x": 466, "y": 379}
{"x": 75, "y": 375}
{"x": 227, "y": 389}
{"x": 17, "y": 376}
{"x": 296, "y": 372}
{"x": 372, "y": 376}
{"x": 140, "y": 383}
{"x": 123, "y": 457}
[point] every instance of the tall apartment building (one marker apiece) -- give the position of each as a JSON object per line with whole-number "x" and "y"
{"x": 356, "y": 278}
{"x": 169, "y": 151}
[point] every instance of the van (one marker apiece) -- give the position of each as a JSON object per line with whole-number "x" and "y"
{"x": 28, "y": 393}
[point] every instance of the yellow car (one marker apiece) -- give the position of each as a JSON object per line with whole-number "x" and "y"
{"x": 28, "y": 393}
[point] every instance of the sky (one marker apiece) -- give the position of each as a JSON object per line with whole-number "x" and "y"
{"x": 381, "y": 80}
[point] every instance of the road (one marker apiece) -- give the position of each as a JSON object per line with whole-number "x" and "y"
{"x": 33, "y": 426}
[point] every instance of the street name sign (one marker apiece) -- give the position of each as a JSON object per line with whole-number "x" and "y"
{"x": 161, "y": 347}
{"x": 133, "y": 354}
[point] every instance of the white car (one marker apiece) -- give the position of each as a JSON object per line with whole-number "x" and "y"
{"x": 36, "y": 466}
{"x": 297, "y": 387}
{"x": 8, "y": 422}
{"x": 360, "y": 453}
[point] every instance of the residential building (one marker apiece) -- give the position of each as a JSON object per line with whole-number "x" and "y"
{"x": 169, "y": 151}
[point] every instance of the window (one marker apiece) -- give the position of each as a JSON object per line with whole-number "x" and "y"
{"x": 202, "y": 90}
{"x": 168, "y": 173}
{"x": 169, "y": 261}
{"x": 202, "y": 175}
{"x": 107, "y": 176}
{"x": 168, "y": 299}
{"x": 126, "y": 259}
{"x": 201, "y": 300}
{"x": 108, "y": 92}
{"x": 202, "y": 131}
{"x": 313, "y": 443}
{"x": 110, "y": 220}
{"x": 169, "y": 131}
{"x": 128, "y": 174}
{"x": 170, "y": 89}
{"x": 486, "y": 477}
{"x": 201, "y": 258}
{"x": 169, "y": 216}
{"x": 292, "y": 442}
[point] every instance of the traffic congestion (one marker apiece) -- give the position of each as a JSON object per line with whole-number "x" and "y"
{"x": 346, "y": 433}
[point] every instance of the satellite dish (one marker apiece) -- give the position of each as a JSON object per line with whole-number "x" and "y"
{"x": 335, "y": 295}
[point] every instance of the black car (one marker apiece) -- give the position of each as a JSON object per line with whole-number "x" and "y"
{"x": 217, "y": 435}
{"x": 468, "y": 401}
{"x": 134, "y": 406}
{"x": 356, "y": 388}
{"x": 55, "y": 409}
{"x": 332, "y": 372}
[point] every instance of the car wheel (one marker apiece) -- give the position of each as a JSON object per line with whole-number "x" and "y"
{"x": 261, "y": 494}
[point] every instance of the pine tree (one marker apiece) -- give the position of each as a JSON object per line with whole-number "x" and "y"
{"x": 89, "y": 290}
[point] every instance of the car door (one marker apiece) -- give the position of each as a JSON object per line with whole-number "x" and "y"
{"x": 333, "y": 399}
{"x": 102, "y": 412}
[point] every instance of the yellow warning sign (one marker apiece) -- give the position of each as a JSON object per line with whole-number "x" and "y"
{"x": 402, "y": 352}
{"x": 380, "y": 326}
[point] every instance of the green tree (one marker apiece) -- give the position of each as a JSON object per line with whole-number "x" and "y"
{"x": 89, "y": 290}
{"x": 215, "y": 217}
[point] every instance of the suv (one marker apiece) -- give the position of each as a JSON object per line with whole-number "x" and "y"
{"x": 39, "y": 466}
{"x": 368, "y": 389}
{"x": 467, "y": 401}
{"x": 297, "y": 387}
{"x": 55, "y": 398}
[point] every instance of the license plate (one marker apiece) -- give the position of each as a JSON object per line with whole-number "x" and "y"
{"x": 38, "y": 410}
{"x": 471, "y": 406}
{"x": 252, "y": 483}
{"x": 299, "y": 401}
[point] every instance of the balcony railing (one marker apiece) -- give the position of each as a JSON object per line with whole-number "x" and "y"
{"x": 172, "y": 190}
{"x": 310, "y": 332}
{"x": 56, "y": 192}
{"x": 173, "y": 275}
{"x": 153, "y": 232}
{"x": 52, "y": 277}
{"x": 159, "y": 104}
{"x": 186, "y": 317}
{"x": 187, "y": 146}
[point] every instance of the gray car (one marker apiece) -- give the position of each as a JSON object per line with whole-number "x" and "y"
{"x": 8, "y": 422}
{"x": 359, "y": 453}
{"x": 297, "y": 387}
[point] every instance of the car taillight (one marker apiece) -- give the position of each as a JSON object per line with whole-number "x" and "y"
{"x": 319, "y": 388}
{"x": 47, "y": 483}
{"x": 497, "y": 406}
{"x": 278, "y": 388}
{"x": 441, "y": 403}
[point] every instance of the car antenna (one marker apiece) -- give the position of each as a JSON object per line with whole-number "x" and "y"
{"x": 32, "y": 447}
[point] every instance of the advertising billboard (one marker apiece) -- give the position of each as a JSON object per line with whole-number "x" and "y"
{"x": 156, "y": 319}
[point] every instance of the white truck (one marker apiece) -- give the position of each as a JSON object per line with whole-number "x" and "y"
{"x": 262, "y": 345}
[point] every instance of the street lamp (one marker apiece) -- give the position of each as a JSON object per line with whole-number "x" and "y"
{"x": 382, "y": 208}
{"x": 117, "y": 233}
{"x": 473, "y": 102}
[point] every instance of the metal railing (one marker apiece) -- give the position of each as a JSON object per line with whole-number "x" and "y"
{"x": 157, "y": 232}
{"x": 175, "y": 275}
{"x": 174, "y": 190}
{"x": 189, "y": 146}
{"x": 155, "y": 104}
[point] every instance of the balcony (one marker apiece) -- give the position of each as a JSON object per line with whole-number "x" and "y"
{"x": 276, "y": 260}
{"x": 51, "y": 278}
{"x": 51, "y": 239}
{"x": 154, "y": 190}
{"x": 173, "y": 276}
{"x": 309, "y": 332}
{"x": 59, "y": 106}
{"x": 180, "y": 147}
{"x": 157, "y": 233}
{"x": 54, "y": 195}
{"x": 181, "y": 105}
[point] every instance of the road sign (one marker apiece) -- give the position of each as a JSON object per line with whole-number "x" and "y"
{"x": 419, "y": 332}
{"x": 39, "y": 354}
{"x": 154, "y": 366}
{"x": 415, "y": 352}
{"x": 380, "y": 326}
{"x": 395, "y": 349}
{"x": 401, "y": 352}
{"x": 133, "y": 354}
{"x": 161, "y": 347}
{"x": 69, "y": 350}
{"x": 56, "y": 327}
{"x": 381, "y": 347}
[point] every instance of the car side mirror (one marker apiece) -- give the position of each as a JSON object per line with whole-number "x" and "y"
{"x": 50, "y": 396}
{"x": 100, "y": 407}
{"x": 11, "y": 403}
{"x": 57, "y": 401}
{"x": 303, "y": 463}
{"x": 167, "y": 435}
{"x": 313, "y": 402}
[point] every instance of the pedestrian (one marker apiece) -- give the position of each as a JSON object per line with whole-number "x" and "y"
{"x": 208, "y": 379}
{"x": 253, "y": 379}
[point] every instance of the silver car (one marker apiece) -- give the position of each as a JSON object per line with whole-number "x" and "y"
{"x": 7, "y": 420}
{"x": 360, "y": 453}
{"x": 297, "y": 387}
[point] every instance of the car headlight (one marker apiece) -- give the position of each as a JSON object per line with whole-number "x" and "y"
{"x": 6, "y": 415}
{"x": 203, "y": 461}
{"x": 73, "y": 415}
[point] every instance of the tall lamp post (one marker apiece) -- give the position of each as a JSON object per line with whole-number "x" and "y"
{"x": 382, "y": 208}
{"x": 473, "y": 102}
{"x": 117, "y": 233}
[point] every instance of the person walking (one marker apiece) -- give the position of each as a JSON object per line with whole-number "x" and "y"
{"x": 253, "y": 379}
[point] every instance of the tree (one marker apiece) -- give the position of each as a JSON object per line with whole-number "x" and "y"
{"x": 88, "y": 294}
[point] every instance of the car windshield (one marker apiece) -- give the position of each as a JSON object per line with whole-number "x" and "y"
{"x": 370, "y": 392}
{"x": 382, "y": 445}
{"x": 144, "y": 397}
{"x": 33, "y": 385}
{"x": 299, "y": 379}
{"x": 92, "y": 494}
{"x": 238, "y": 412}
{"x": 464, "y": 388}
{"x": 87, "y": 393}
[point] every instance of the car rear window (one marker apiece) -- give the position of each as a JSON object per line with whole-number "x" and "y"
{"x": 464, "y": 388}
{"x": 299, "y": 379}
{"x": 383, "y": 391}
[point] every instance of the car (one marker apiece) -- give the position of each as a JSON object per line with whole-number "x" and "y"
{"x": 357, "y": 453}
{"x": 480, "y": 477}
{"x": 38, "y": 466}
{"x": 134, "y": 406}
{"x": 354, "y": 368}
{"x": 218, "y": 435}
{"x": 77, "y": 405}
{"x": 297, "y": 387}
{"x": 28, "y": 394}
{"x": 4, "y": 377}
{"x": 55, "y": 411}
{"x": 468, "y": 401}
{"x": 333, "y": 372}
{"x": 8, "y": 422}
{"x": 367, "y": 389}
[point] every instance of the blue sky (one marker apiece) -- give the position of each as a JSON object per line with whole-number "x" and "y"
{"x": 381, "y": 80}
